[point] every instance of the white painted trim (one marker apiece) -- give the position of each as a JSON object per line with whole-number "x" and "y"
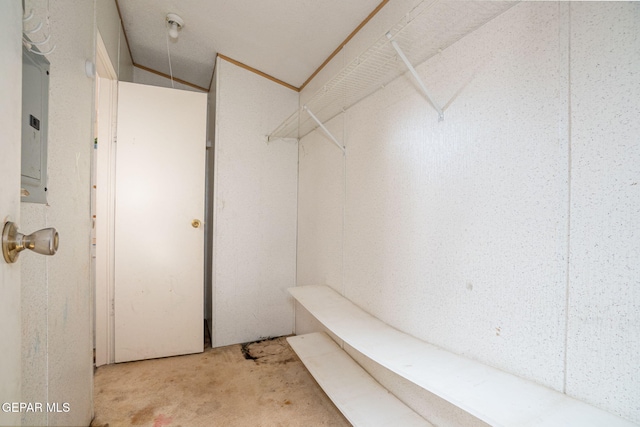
{"x": 104, "y": 66}
{"x": 105, "y": 204}
{"x": 214, "y": 324}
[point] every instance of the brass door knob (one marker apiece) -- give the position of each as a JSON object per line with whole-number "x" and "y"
{"x": 196, "y": 223}
{"x": 43, "y": 241}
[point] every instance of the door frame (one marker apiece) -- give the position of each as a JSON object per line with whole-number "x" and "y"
{"x": 106, "y": 109}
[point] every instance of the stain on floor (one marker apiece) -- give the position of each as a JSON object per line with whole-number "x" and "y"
{"x": 268, "y": 351}
{"x": 261, "y": 383}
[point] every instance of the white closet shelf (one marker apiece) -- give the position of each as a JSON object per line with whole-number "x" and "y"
{"x": 491, "y": 395}
{"x": 427, "y": 29}
{"x": 362, "y": 400}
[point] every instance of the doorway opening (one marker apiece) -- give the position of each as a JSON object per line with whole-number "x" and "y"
{"x": 149, "y": 219}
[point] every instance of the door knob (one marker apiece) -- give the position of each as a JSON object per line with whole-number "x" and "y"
{"x": 43, "y": 241}
{"x": 196, "y": 223}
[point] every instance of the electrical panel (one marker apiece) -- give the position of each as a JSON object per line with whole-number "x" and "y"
{"x": 35, "y": 111}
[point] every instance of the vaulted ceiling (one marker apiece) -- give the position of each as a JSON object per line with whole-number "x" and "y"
{"x": 286, "y": 39}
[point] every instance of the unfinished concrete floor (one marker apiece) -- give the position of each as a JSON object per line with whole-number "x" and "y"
{"x": 259, "y": 384}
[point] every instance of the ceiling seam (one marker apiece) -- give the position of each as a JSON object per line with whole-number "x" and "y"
{"x": 334, "y": 53}
{"x": 258, "y": 72}
{"x": 175, "y": 79}
{"x": 349, "y": 37}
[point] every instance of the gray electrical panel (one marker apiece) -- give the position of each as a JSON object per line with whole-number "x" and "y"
{"x": 35, "y": 112}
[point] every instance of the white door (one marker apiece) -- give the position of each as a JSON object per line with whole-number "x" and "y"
{"x": 159, "y": 236}
{"x": 10, "y": 114}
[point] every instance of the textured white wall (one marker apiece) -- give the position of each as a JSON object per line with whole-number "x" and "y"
{"x": 457, "y": 232}
{"x": 56, "y": 299}
{"x": 457, "y": 225}
{"x": 125, "y": 62}
{"x": 603, "y": 349}
{"x": 110, "y": 27}
{"x": 254, "y": 207}
{"x": 321, "y": 195}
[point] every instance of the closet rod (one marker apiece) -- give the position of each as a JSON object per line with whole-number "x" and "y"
{"x": 415, "y": 75}
{"x": 326, "y": 131}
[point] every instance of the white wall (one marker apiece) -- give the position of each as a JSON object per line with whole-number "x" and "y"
{"x": 603, "y": 346}
{"x": 56, "y": 299}
{"x": 110, "y": 27}
{"x": 321, "y": 208}
{"x": 10, "y": 289}
{"x": 125, "y": 62}
{"x": 506, "y": 233}
{"x": 254, "y": 208}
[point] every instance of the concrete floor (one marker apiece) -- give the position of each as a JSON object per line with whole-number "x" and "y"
{"x": 259, "y": 384}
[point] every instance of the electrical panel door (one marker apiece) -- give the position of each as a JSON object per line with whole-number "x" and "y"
{"x": 35, "y": 111}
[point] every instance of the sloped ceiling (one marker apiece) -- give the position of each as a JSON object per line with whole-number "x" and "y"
{"x": 286, "y": 39}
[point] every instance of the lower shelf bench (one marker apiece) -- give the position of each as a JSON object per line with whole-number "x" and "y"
{"x": 362, "y": 400}
{"x": 493, "y": 396}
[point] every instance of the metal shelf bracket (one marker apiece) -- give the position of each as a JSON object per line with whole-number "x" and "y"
{"x": 415, "y": 75}
{"x": 324, "y": 129}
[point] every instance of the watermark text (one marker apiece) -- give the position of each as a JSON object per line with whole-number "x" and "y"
{"x": 36, "y": 407}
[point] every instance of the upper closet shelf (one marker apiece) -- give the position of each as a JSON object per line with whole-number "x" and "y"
{"x": 427, "y": 29}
